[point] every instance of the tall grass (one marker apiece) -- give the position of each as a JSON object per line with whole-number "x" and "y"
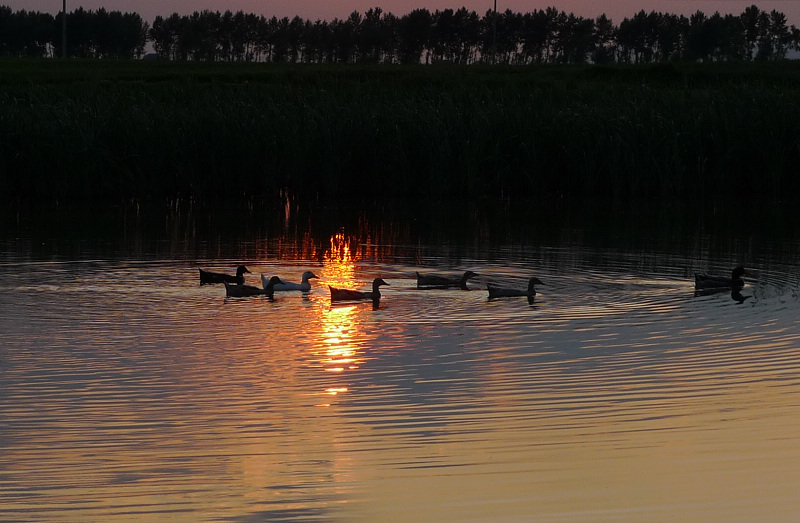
{"x": 114, "y": 131}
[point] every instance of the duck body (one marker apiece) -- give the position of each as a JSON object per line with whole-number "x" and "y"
{"x": 738, "y": 297}
{"x": 303, "y": 286}
{"x": 351, "y": 295}
{"x": 436, "y": 281}
{"x": 705, "y": 281}
{"x": 245, "y": 291}
{"x": 510, "y": 292}
{"x": 208, "y": 277}
{"x": 242, "y": 291}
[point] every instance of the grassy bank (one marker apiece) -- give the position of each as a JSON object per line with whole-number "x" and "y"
{"x": 122, "y": 131}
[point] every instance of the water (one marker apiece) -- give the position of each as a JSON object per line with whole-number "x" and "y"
{"x": 129, "y": 392}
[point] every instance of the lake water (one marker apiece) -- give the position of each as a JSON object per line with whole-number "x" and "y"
{"x": 130, "y": 392}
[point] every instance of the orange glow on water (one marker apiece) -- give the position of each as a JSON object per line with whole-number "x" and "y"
{"x": 339, "y": 351}
{"x": 339, "y": 262}
{"x": 333, "y": 391}
{"x": 442, "y": 406}
{"x": 340, "y": 348}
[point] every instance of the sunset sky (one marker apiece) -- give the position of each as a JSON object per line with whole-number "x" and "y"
{"x": 327, "y": 10}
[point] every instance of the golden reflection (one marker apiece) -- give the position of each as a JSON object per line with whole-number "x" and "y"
{"x": 340, "y": 330}
{"x": 341, "y": 341}
{"x": 333, "y": 391}
{"x": 339, "y": 262}
{"x": 367, "y": 240}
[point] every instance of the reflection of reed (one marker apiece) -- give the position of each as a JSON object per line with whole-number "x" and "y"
{"x": 339, "y": 251}
{"x": 377, "y": 242}
{"x": 338, "y": 262}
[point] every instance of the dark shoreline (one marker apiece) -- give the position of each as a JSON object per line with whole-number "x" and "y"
{"x": 88, "y": 132}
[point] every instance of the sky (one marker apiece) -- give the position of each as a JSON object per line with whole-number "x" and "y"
{"x": 330, "y": 9}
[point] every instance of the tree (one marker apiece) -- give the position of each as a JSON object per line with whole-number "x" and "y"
{"x": 638, "y": 36}
{"x": 454, "y": 36}
{"x": 372, "y": 37}
{"x": 751, "y": 26}
{"x": 413, "y": 33}
{"x": 604, "y": 40}
{"x": 577, "y": 39}
{"x": 780, "y": 35}
{"x": 672, "y": 33}
{"x": 539, "y": 32}
{"x": 164, "y": 35}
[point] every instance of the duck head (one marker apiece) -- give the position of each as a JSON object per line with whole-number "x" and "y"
{"x": 532, "y": 285}
{"x": 377, "y": 282}
{"x": 308, "y": 275}
{"x": 738, "y": 272}
{"x": 241, "y": 269}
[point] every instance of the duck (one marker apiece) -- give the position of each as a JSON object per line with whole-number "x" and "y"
{"x": 303, "y": 286}
{"x": 705, "y": 281}
{"x": 508, "y": 292}
{"x": 442, "y": 282}
{"x": 244, "y": 291}
{"x": 349, "y": 295}
{"x": 207, "y": 277}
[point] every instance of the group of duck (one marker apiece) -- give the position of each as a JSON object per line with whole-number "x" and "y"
{"x": 235, "y": 286}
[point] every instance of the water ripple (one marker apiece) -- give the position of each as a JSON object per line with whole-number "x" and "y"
{"x": 167, "y": 400}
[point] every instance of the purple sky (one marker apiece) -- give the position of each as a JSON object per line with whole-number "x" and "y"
{"x": 327, "y": 10}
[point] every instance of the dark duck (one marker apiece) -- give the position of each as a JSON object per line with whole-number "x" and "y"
{"x": 735, "y": 282}
{"x": 244, "y": 291}
{"x": 351, "y": 295}
{"x": 436, "y": 281}
{"x": 207, "y": 277}
{"x": 510, "y": 292}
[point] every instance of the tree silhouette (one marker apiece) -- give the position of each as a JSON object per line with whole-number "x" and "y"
{"x": 414, "y": 32}
{"x": 445, "y": 36}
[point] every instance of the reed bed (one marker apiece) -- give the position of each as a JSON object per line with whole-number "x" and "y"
{"x": 138, "y": 131}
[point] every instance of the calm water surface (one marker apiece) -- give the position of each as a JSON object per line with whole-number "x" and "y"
{"x": 129, "y": 392}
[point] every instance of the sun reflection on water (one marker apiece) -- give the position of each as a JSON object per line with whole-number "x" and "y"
{"x": 341, "y": 339}
{"x": 340, "y": 332}
{"x": 339, "y": 262}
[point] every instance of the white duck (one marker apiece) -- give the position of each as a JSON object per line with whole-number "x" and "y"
{"x": 303, "y": 286}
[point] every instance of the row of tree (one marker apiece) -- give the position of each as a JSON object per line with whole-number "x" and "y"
{"x": 90, "y": 34}
{"x": 452, "y": 36}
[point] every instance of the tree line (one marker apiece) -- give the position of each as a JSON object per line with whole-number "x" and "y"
{"x": 443, "y": 36}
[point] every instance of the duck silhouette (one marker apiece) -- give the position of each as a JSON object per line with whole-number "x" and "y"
{"x": 737, "y": 296}
{"x": 244, "y": 291}
{"x": 436, "y": 281}
{"x": 706, "y": 281}
{"x": 303, "y": 286}
{"x": 351, "y": 295}
{"x": 510, "y": 292}
{"x": 208, "y": 277}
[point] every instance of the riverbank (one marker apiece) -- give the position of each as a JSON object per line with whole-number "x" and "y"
{"x": 89, "y": 131}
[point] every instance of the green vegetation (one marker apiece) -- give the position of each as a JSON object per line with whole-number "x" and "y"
{"x": 211, "y": 132}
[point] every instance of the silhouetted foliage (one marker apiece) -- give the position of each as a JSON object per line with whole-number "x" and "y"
{"x": 444, "y": 36}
